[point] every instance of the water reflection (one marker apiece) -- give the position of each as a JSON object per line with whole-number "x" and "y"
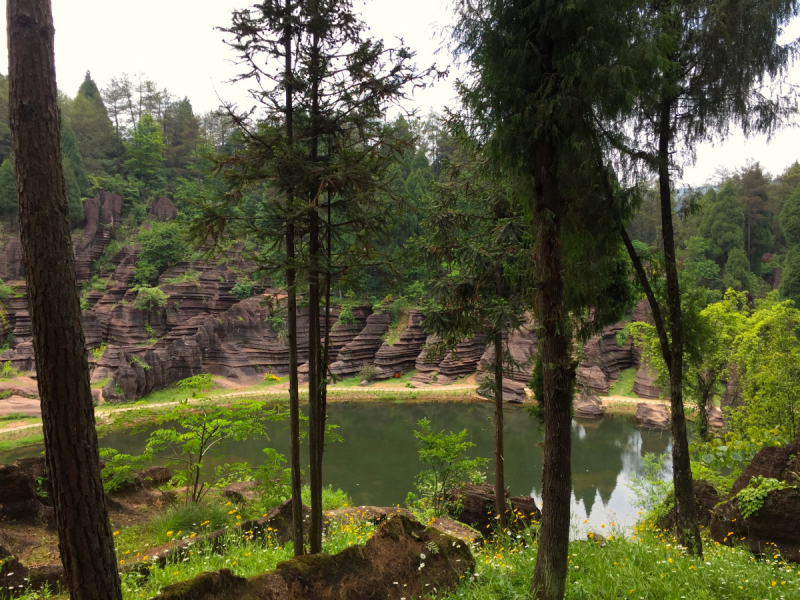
{"x": 377, "y": 461}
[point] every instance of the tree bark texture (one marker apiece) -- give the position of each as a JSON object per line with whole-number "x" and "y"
{"x": 686, "y": 524}
{"x": 291, "y": 310}
{"x": 550, "y": 572}
{"x": 499, "y": 464}
{"x": 86, "y": 543}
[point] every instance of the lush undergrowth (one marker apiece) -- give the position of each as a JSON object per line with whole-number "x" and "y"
{"x": 647, "y": 565}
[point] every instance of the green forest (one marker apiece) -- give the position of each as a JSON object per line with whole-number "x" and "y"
{"x": 192, "y": 284}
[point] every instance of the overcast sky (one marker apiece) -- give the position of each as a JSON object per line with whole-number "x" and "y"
{"x": 174, "y": 43}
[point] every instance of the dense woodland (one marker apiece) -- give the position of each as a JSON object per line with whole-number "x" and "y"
{"x": 548, "y": 197}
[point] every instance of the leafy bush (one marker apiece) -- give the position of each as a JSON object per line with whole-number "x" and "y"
{"x": 736, "y": 449}
{"x": 751, "y": 498}
{"x": 8, "y": 371}
{"x": 346, "y": 315}
{"x": 98, "y": 353}
{"x": 189, "y": 276}
{"x": 5, "y": 291}
{"x": 163, "y": 244}
{"x": 367, "y": 372}
{"x": 331, "y": 498}
{"x": 243, "y": 289}
{"x": 149, "y": 299}
{"x": 444, "y": 454}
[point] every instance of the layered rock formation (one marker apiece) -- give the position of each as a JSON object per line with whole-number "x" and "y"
{"x": 462, "y": 361}
{"x": 363, "y": 348}
{"x": 521, "y": 344}
{"x": 401, "y": 357}
{"x": 652, "y": 416}
{"x": 101, "y": 214}
{"x": 164, "y": 210}
{"x": 644, "y": 385}
{"x": 237, "y": 343}
{"x": 427, "y": 365}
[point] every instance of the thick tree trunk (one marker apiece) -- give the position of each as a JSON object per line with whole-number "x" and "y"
{"x": 86, "y": 543}
{"x": 499, "y": 467}
{"x": 686, "y": 515}
{"x": 550, "y": 572}
{"x": 291, "y": 310}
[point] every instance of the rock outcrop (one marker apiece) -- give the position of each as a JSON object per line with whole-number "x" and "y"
{"x": 774, "y": 525}
{"x": 588, "y": 406}
{"x": 706, "y": 497}
{"x": 403, "y": 559}
{"x": 101, "y": 214}
{"x": 427, "y": 365}
{"x": 644, "y": 385}
{"x": 363, "y": 348}
{"x": 521, "y": 344}
{"x": 11, "y": 265}
{"x": 652, "y": 416}
{"x": 400, "y": 357}
{"x": 462, "y": 361}
{"x": 237, "y": 343}
{"x": 164, "y": 210}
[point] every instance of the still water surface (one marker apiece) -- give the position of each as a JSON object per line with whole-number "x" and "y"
{"x": 377, "y": 461}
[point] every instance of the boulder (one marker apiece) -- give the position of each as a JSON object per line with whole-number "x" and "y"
{"x": 363, "y": 348}
{"x": 774, "y": 525}
{"x": 401, "y": 356}
{"x": 652, "y": 416}
{"x": 592, "y": 378}
{"x": 477, "y": 502}
{"x": 706, "y": 497}
{"x": 14, "y": 485}
{"x": 240, "y": 492}
{"x": 513, "y": 391}
{"x": 588, "y": 407}
{"x": 403, "y": 559}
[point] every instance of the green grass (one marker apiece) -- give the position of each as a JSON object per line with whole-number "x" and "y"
{"x": 331, "y": 498}
{"x": 646, "y": 566}
{"x": 101, "y": 383}
{"x": 624, "y": 385}
{"x": 17, "y": 417}
{"x": 28, "y": 440}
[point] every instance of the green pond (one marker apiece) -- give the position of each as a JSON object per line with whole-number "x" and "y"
{"x": 377, "y": 461}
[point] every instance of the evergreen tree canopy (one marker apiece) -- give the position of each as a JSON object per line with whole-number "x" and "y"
{"x": 737, "y": 273}
{"x": 790, "y": 219}
{"x": 145, "y": 151}
{"x": 723, "y": 222}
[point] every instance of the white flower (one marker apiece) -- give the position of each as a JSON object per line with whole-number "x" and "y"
{"x": 422, "y": 556}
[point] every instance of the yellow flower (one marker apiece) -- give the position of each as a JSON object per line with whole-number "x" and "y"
{"x": 116, "y": 533}
{"x": 169, "y": 532}
{"x": 122, "y": 562}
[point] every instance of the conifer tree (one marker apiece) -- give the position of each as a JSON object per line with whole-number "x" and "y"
{"x": 540, "y": 72}
{"x": 88, "y": 119}
{"x": 714, "y": 57}
{"x": 317, "y": 165}
{"x": 790, "y": 225}
{"x": 723, "y": 222}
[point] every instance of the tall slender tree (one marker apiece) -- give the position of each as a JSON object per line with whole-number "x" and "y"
{"x": 86, "y": 543}
{"x": 714, "y": 58}
{"x": 321, "y": 157}
{"x": 540, "y": 73}
{"x": 480, "y": 252}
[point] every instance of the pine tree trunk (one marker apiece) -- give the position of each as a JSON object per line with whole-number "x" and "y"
{"x": 550, "y": 572}
{"x": 686, "y": 515}
{"x": 316, "y": 423}
{"x": 291, "y": 310}
{"x": 499, "y": 467}
{"x": 86, "y": 543}
{"x": 294, "y": 394}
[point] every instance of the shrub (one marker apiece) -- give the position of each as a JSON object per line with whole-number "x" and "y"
{"x": 243, "y": 289}
{"x": 751, "y": 498}
{"x": 163, "y": 244}
{"x": 8, "y": 371}
{"x": 149, "y": 299}
{"x": 444, "y": 454}
{"x": 367, "y": 372}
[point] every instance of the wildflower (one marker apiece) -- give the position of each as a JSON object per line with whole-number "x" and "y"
{"x": 169, "y": 532}
{"x": 122, "y": 562}
{"x": 116, "y": 533}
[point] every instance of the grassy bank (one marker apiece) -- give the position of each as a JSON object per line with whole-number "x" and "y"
{"x": 645, "y": 564}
